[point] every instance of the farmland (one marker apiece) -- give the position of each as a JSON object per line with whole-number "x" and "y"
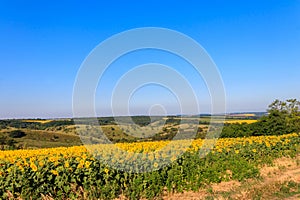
{"x": 73, "y": 172}
{"x": 142, "y": 157}
{"x": 37, "y": 121}
{"x": 41, "y": 133}
{"x": 248, "y": 121}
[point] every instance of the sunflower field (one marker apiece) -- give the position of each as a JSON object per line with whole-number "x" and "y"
{"x": 137, "y": 170}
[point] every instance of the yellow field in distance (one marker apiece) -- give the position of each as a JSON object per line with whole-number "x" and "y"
{"x": 248, "y": 121}
{"x": 37, "y": 121}
{"x": 242, "y": 115}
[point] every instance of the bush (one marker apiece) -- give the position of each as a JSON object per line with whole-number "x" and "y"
{"x": 17, "y": 134}
{"x": 283, "y": 117}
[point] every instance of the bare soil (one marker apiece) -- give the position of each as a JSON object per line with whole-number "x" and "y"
{"x": 273, "y": 179}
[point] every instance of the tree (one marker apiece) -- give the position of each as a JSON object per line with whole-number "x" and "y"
{"x": 273, "y": 124}
{"x": 283, "y": 117}
{"x": 16, "y": 134}
{"x": 236, "y": 130}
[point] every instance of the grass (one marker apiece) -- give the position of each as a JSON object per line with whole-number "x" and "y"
{"x": 46, "y": 139}
{"x": 287, "y": 189}
{"x": 283, "y": 182}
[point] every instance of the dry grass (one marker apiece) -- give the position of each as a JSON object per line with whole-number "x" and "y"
{"x": 275, "y": 183}
{"x": 37, "y": 121}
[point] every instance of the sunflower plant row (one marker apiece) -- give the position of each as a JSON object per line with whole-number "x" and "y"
{"x": 137, "y": 170}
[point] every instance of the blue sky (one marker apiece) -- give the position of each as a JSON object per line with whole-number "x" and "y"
{"x": 255, "y": 45}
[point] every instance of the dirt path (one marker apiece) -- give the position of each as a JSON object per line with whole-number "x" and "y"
{"x": 280, "y": 181}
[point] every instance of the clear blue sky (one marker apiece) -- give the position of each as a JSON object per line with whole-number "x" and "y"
{"x": 255, "y": 44}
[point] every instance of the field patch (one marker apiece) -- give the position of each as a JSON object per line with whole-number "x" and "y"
{"x": 248, "y": 121}
{"x": 42, "y": 121}
{"x": 72, "y": 172}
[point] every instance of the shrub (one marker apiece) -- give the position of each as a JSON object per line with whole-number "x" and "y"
{"x": 17, "y": 134}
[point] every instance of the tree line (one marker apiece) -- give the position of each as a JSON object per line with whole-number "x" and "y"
{"x": 283, "y": 117}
